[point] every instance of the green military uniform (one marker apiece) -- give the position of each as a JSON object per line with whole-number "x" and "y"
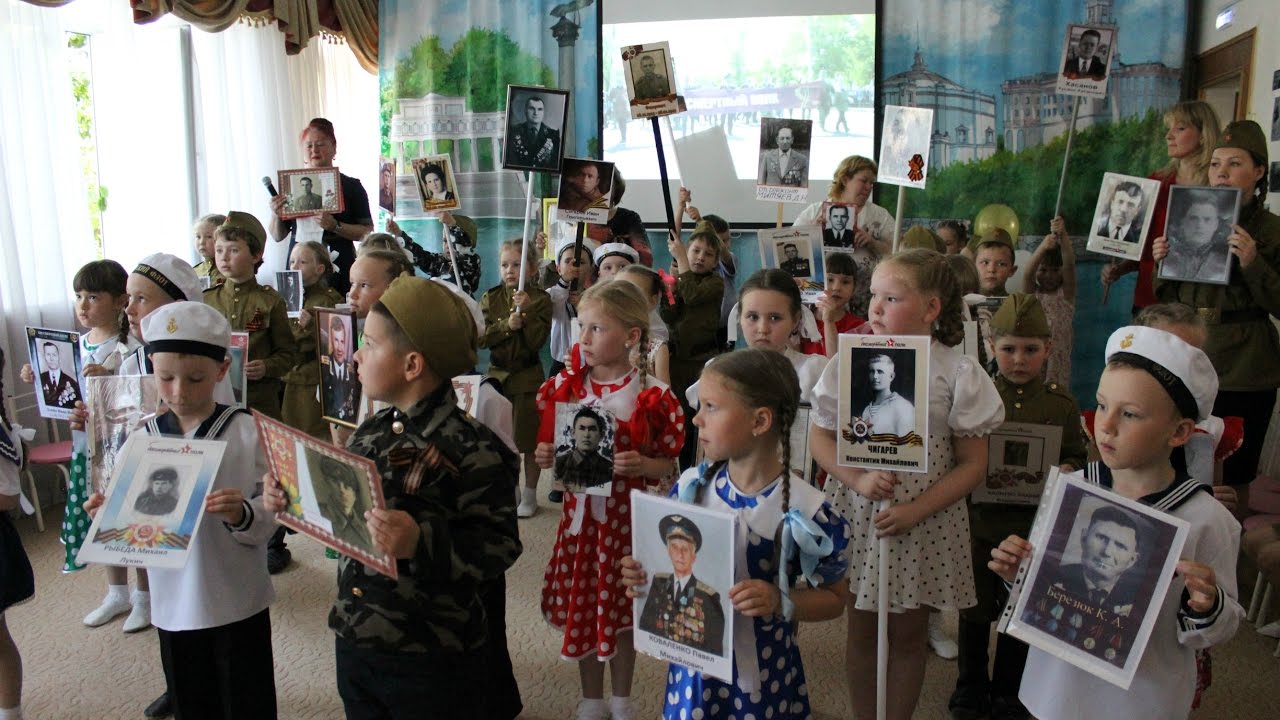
{"x": 515, "y": 356}
{"x": 259, "y": 310}
{"x": 694, "y": 321}
{"x": 210, "y": 270}
{"x": 300, "y": 408}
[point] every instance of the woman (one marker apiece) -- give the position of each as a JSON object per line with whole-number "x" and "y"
{"x": 341, "y": 230}
{"x": 434, "y": 189}
{"x": 1191, "y": 135}
{"x": 1242, "y": 342}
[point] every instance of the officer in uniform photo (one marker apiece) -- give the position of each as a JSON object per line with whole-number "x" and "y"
{"x": 678, "y": 606}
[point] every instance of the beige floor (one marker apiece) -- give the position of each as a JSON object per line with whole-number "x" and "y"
{"x": 74, "y": 673}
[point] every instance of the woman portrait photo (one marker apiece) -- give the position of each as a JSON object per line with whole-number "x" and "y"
{"x": 435, "y": 183}
{"x": 1198, "y": 225}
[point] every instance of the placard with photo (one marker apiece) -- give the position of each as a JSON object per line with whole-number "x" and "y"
{"x": 387, "y": 184}
{"x": 904, "y": 146}
{"x": 118, "y": 405}
{"x": 1020, "y": 457}
{"x": 56, "y": 363}
{"x": 238, "y": 352}
{"x": 1097, "y": 578}
{"x": 585, "y": 187}
{"x": 651, "y": 80}
{"x": 339, "y": 380}
{"x": 1123, "y": 215}
{"x": 783, "y": 169}
{"x": 1197, "y": 226}
{"x": 684, "y": 614}
{"x": 1086, "y": 58}
{"x": 310, "y": 191}
{"x": 557, "y": 231}
{"x": 436, "y": 187}
{"x": 154, "y": 502}
{"x": 795, "y": 250}
{"x": 467, "y": 389}
{"x": 584, "y": 444}
{"x": 328, "y": 491}
{"x": 884, "y": 402}
{"x": 289, "y": 285}
{"x": 535, "y": 123}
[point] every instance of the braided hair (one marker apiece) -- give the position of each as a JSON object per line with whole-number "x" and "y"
{"x": 931, "y": 275}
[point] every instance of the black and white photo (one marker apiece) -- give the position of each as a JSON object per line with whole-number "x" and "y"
{"x": 839, "y": 223}
{"x": 55, "y": 360}
{"x": 585, "y": 187}
{"x": 794, "y": 251}
{"x": 1123, "y": 215}
{"x": 1020, "y": 457}
{"x": 339, "y": 383}
{"x": 1196, "y": 227}
{"x": 904, "y": 146}
{"x": 650, "y": 78}
{"x": 310, "y": 191}
{"x": 1275, "y": 121}
{"x": 387, "y": 184}
{"x": 238, "y": 373}
{"x": 783, "y": 170}
{"x": 1086, "y": 57}
{"x": 121, "y": 404}
{"x": 883, "y": 410}
{"x": 289, "y": 285}
{"x": 535, "y": 128}
{"x": 436, "y": 187}
{"x": 341, "y": 498}
{"x": 584, "y": 448}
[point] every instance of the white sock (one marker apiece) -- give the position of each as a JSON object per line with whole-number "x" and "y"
{"x": 117, "y": 594}
{"x": 141, "y": 597}
{"x": 13, "y": 713}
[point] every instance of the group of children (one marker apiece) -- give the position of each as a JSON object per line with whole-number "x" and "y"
{"x": 707, "y": 426}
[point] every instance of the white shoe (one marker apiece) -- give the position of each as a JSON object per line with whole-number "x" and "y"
{"x": 110, "y": 609}
{"x": 943, "y": 646}
{"x": 140, "y": 616}
{"x": 528, "y": 506}
{"x": 592, "y": 710}
{"x": 1271, "y": 629}
{"x": 620, "y": 708}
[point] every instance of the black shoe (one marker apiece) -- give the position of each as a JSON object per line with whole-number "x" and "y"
{"x": 161, "y": 707}
{"x": 1008, "y": 709}
{"x": 278, "y": 559}
{"x": 967, "y": 713}
{"x": 556, "y": 496}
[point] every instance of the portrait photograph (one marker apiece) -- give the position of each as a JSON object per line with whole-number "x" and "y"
{"x": 650, "y": 78}
{"x": 1197, "y": 226}
{"x": 684, "y": 614}
{"x": 792, "y": 250}
{"x": 55, "y": 360}
{"x": 1274, "y": 180}
{"x": 436, "y": 187}
{"x": 585, "y": 187}
{"x": 1086, "y": 60}
{"x": 1020, "y": 457}
{"x": 467, "y": 389}
{"x": 584, "y": 442}
{"x": 310, "y": 191}
{"x": 237, "y": 351}
{"x": 1123, "y": 215}
{"x": 801, "y": 457}
{"x": 839, "y": 224}
{"x": 1275, "y": 121}
{"x": 905, "y": 138}
{"x": 535, "y": 123}
{"x": 154, "y": 502}
{"x": 289, "y": 285}
{"x": 121, "y": 404}
{"x": 884, "y": 398}
{"x": 339, "y": 382}
{"x": 783, "y": 170}
{"x": 328, "y": 491}
{"x": 387, "y": 184}
{"x": 1100, "y": 572}
{"x": 555, "y": 230}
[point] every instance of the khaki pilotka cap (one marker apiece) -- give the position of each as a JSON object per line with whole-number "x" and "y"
{"x": 238, "y": 220}
{"x": 920, "y": 237}
{"x": 436, "y": 321}
{"x": 1245, "y": 135}
{"x": 1021, "y": 315}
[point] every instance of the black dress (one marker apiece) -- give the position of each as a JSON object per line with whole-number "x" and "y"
{"x": 17, "y": 583}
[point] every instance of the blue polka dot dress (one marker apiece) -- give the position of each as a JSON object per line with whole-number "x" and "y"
{"x": 782, "y": 693}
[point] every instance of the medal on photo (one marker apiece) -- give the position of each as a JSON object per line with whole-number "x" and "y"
{"x": 783, "y": 174}
{"x": 884, "y": 402}
{"x": 56, "y": 363}
{"x": 535, "y": 127}
{"x": 793, "y": 250}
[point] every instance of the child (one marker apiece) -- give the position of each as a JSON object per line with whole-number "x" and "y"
{"x": 912, "y": 293}
{"x": 955, "y": 237}
{"x": 573, "y": 271}
{"x": 581, "y": 595}
{"x": 17, "y": 582}
{"x": 833, "y": 314}
{"x": 517, "y": 325}
{"x": 658, "y": 352}
{"x": 611, "y": 257}
{"x": 1051, "y": 275}
{"x": 204, "y": 230}
{"x": 994, "y": 258}
{"x": 1151, "y": 393}
{"x": 409, "y": 647}
{"x": 300, "y": 407}
{"x": 1022, "y": 340}
{"x": 213, "y": 618}
{"x": 750, "y": 400}
{"x": 253, "y": 308}
{"x": 726, "y": 268}
{"x": 694, "y": 317}
{"x": 462, "y": 230}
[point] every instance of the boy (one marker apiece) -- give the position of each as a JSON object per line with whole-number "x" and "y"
{"x": 410, "y": 648}
{"x": 1153, "y": 390}
{"x": 833, "y": 316}
{"x": 253, "y": 308}
{"x": 995, "y": 258}
{"x": 212, "y": 615}
{"x": 1022, "y": 345}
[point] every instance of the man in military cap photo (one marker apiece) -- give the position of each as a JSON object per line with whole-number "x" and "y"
{"x": 678, "y": 606}
{"x": 341, "y": 386}
{"x": 161, "y": 496}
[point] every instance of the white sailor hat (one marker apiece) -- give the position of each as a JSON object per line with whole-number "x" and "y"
{"x": 615, "y": 248}
{"x": 565, "y": 243}
{"x": 1182, "y": 369}
{"x": 174, "y": 275}
{"x": 192, "y": 328}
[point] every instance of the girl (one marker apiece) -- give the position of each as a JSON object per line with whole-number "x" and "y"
{"x": 611, "y": 258}
{"x": 581, "y": 594}
{"x": 204, "y": 230}
{"x": 571, "y": 272}
{"x": 1051, "y": 276}
{"x": 650, "y": 283}
{"x": 912, "y": 293}
{"x": 749, "y": 400}
{"x": 300, "y": 408}
{"x": 832, "y": 310}
{"x": 17, "y": 582}
{"x": 955, "y": 237}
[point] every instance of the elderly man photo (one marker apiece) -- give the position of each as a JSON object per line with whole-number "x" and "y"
{"x": 783, "y": 165}
{"x": 60, "y": 389}
{"x": 583, "y": 465}
{"x": 678, "y": 606}
{"x": 651, "y": 84}
{"x": 1085, "y": 63}
{"x": 1123, "y": 220}
{"x": 888, "y": 413}
{"x": 305, "y": 199}
{"x": 531, "y": 142}
{"x": 1110, "y": 546}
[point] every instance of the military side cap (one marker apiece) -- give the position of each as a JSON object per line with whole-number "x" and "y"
{"x": 165, "y": 473}
{"x": 920, "y": 237}
{"x": 1245, "y": 135}
{"x": 1021, "y": 315}
{"x": 615, "y": 248}
{"x": 191, "y": 328}
{"x": 436, "y": 321}
{"x": 238, "y": 220}
{"x": 1182, "y": 369}
{"x": 172, "y": 274}
{"x": 680, "y": 528}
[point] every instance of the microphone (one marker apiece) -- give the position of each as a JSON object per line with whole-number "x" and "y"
{"x": 266, "y": 182}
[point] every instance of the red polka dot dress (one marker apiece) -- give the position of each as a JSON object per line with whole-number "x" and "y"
{"x": 582, "y": 593}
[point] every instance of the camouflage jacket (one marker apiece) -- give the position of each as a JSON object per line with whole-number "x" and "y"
{"x": 465, "y": 508}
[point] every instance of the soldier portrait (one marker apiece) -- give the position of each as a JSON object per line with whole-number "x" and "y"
{"x": 649, "y": 75}
{"x": 884, "y": 387}
{"x": 342, "y": 499}
{"x": 584, "y": 448}
{"x": 585, "y": 186}
{"x": 340, "y": 386}
{"x": 784, "y": 152}
{"x": 534, "y": 128}
{"x": 310, "y": 191}
{"x": 387, "y": 184}
{"x": 59, "y": 386}
{"x": 1198, "y": 226}
{"x": 792, "y": 261}
{"x": 161, "y": 494}
{"x": 678, "y": 606}
{"x": 289, "y": 285}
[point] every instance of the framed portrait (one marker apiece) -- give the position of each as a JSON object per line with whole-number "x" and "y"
{"x": 154, "y": 502}
{"x": 1275, "y": 121}
{"x": 782, "y": 173}
{"x": 969, "y": 345}
{"x": 1094, "y": 585}
{"x": 387, "y": 184}
{"x": 585, "y": 187}
{"x": 584, "y": 443}
{"x": 1086, "y": 57}
{"x": 328, "y": 490}
{"x": 684, "y": 614}
{"x": 555, "y": 230}
{"x": 340, "y": 388}
{"x": 1197, "y": 226}
{"x": 839, "y": 223}
{"x": 436, "y": 187}
{"x": 651, "y": 80}
{"x": 310, "y": 191}
{"x": 467, "y": 388}
{"x": 120, "y": 405}
{"x": 801, "y": 457}
{"x": 904, "y": 146}
{"x": 1123, "y": 215}
{"x": 1020, "y": 457}
{"x": 534, "y": 125}
{"x": 238, "y": 352}
{"x": 289, "y": 285}
{"x": 884, "y": 402}
{"x": 55, "y": 360}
